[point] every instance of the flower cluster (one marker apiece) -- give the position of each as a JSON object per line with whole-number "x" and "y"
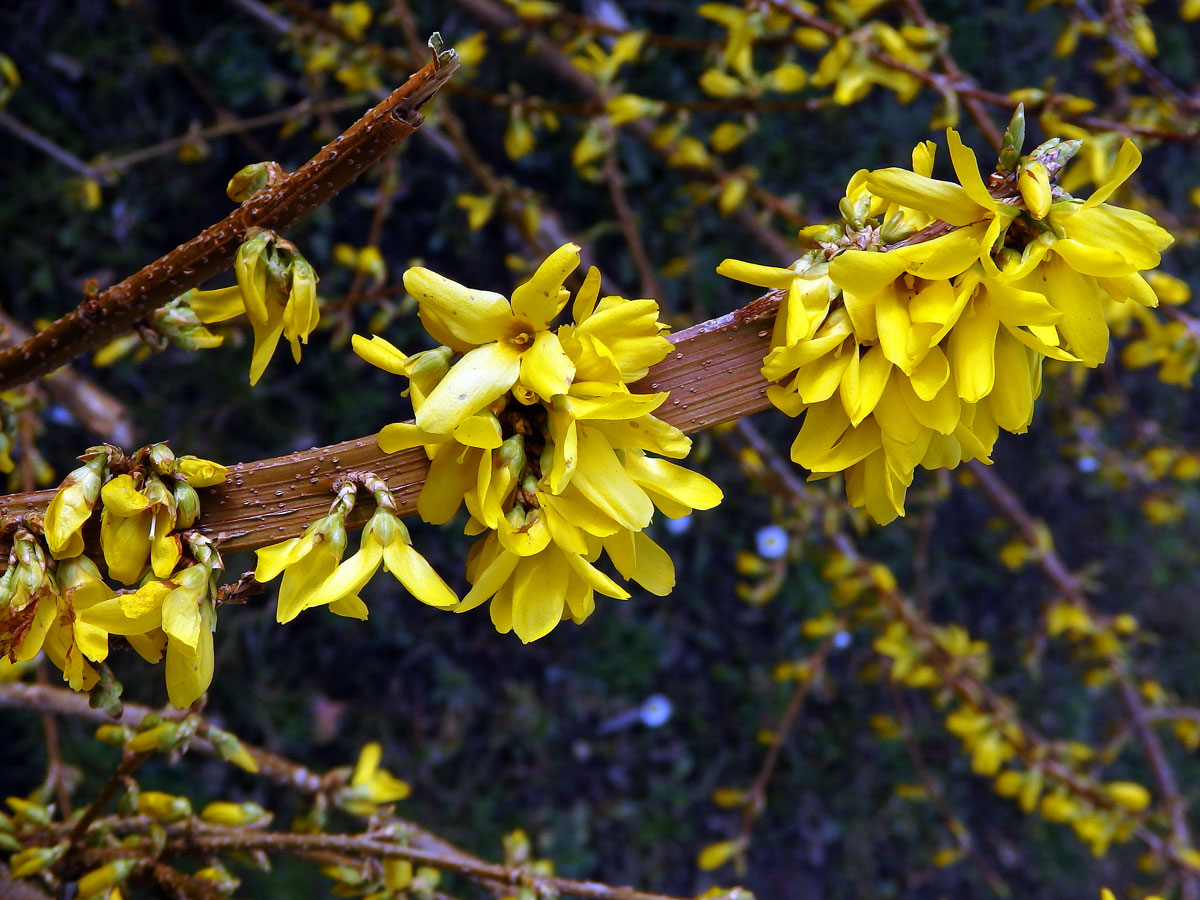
{"x": 535, "y": 431}
{"x": 315, "y": 575}
{"x": 276, "y": 289}
{"x": 916, "y": 328}
{"x": 54, "y": 598}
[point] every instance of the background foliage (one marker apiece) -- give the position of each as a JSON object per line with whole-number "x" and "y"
{"x": 494, "y": 735}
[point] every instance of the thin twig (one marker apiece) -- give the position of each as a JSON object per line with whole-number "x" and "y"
{"x": 367, "y": 846}
{"x": 629, "y": 227}
{"x": 277, "y": 207}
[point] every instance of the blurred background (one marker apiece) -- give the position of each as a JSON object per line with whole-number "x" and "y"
{"x": 607, "y": 741}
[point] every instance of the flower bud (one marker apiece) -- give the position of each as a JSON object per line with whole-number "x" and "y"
{"x": 187, "y": 504}
{"x": 29, "y": 811}
{"x": 32, "y": 860}
{"x": 248, "y": 181}
{"x": 1034, "y": 185}
{"x": 230, "y": 749}
{"x": 114, "y": 735}
{"x": 201, "y": 473}
{"x": 512, "y": 454}
{"x": 234, "y": 815}
{"x": 162, "y": 459}
{"x": 107, "y": 876}
{"x": 164, "y": 807}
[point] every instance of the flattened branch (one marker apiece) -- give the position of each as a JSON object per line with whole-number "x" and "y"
{"x": 712, "y": 376}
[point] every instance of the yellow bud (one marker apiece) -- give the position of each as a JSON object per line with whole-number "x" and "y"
{"x": 728, "y": 798}
{"x": 727, "y": 136}
{"x": 201, "y": 472}
{"x": 163, "y": 807}
{"x": 1034, "y": 185}
{"x": 107, "y": 876}
{"x": 787, "y": 78}
{"x": 32, "y": 860}
{"x": 1128, "y": 795}
{"x": 625, "y": 108}
{"x": 234, "y": 814}
{"x": 716, "y": 83}
{"x": 716, "y": 855}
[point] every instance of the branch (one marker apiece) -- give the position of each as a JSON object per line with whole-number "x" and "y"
{"x": 277, "y": 207}
{"x": 365, "y": 846}
{"x": 713, "y": 377}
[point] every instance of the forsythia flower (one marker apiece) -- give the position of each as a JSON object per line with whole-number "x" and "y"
{"x": 371, "y": 785}
{"x": 276, "y": 289}
{"x": 538, "y": 435}
{"x": 916, "y": 330}
{"x": 59, "y": 603}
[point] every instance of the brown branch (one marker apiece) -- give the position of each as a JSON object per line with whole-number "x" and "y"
{"x": 1053, "y": 566}
{"x": 277, "y": 207}
{"x": 62, "y": 701}
{"x": 713, "y": 376}
{"x": 365, "y": 846}
{"x": 756, "y": 794}
{"x": 89, "y": 404}
{"x": 629, "y": 227}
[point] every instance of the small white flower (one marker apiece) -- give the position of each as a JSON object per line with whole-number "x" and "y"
{"x": 655, "y": 711}
{"x": 771, "y": 541}
{"x": 678, "y": 526}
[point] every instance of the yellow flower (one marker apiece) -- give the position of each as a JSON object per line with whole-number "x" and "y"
{"x": 276, "y": 288}
{"x": 72, "y": 505}
{"x": 136, "y": 526}
{"x": 385, "y": 542}
{"x": 504, "y": 343}
{"x": 370, "y": 785}
{"x": 306, "y": 562}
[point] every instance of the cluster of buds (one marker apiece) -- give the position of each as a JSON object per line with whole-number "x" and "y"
{"x": 54, "y": 598}
{"x": 917, "y": 326}
{"x": 535, "y": 431}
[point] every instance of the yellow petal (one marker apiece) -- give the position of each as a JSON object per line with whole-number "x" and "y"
{"x": 188, "y": 676}
{"x": 482, "y": 431}
{"x": 545, "y": 367}
{"x": 585, "y": 300}
{"x": 415, "y": 573}
{"x": 666, "y": 479}
{"x": 1128, "y": 159}
{"x": 218, "y": 305}
{"x": 539, "y": 590}
{"x": 1078, "y": 298}
{"x": 973, "y": 350}
{"x": 538, "y": 299}
{"x": 274, "y": 559}
{"x": 481, "y": 376}
{"x": 400, "y": 436}
{"x": 471, "y": 317}
{"x": 449, "y": 478}
{"x": 380, "y": 353}
{"x": 601, "y": 478}
{"x": 489, "y": 581}
{"x": 966, "y": 167}
{"x": 351, "y": 576}
{"x": 121, "y": 496}
{"x": 266, "y": 337}
{"x": 940, "y": 199}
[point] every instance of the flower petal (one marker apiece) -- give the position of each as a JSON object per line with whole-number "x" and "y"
{"x": 481, "y": 376}
{"x": 539, "y": 298}
{"x": 455, "y": 315}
